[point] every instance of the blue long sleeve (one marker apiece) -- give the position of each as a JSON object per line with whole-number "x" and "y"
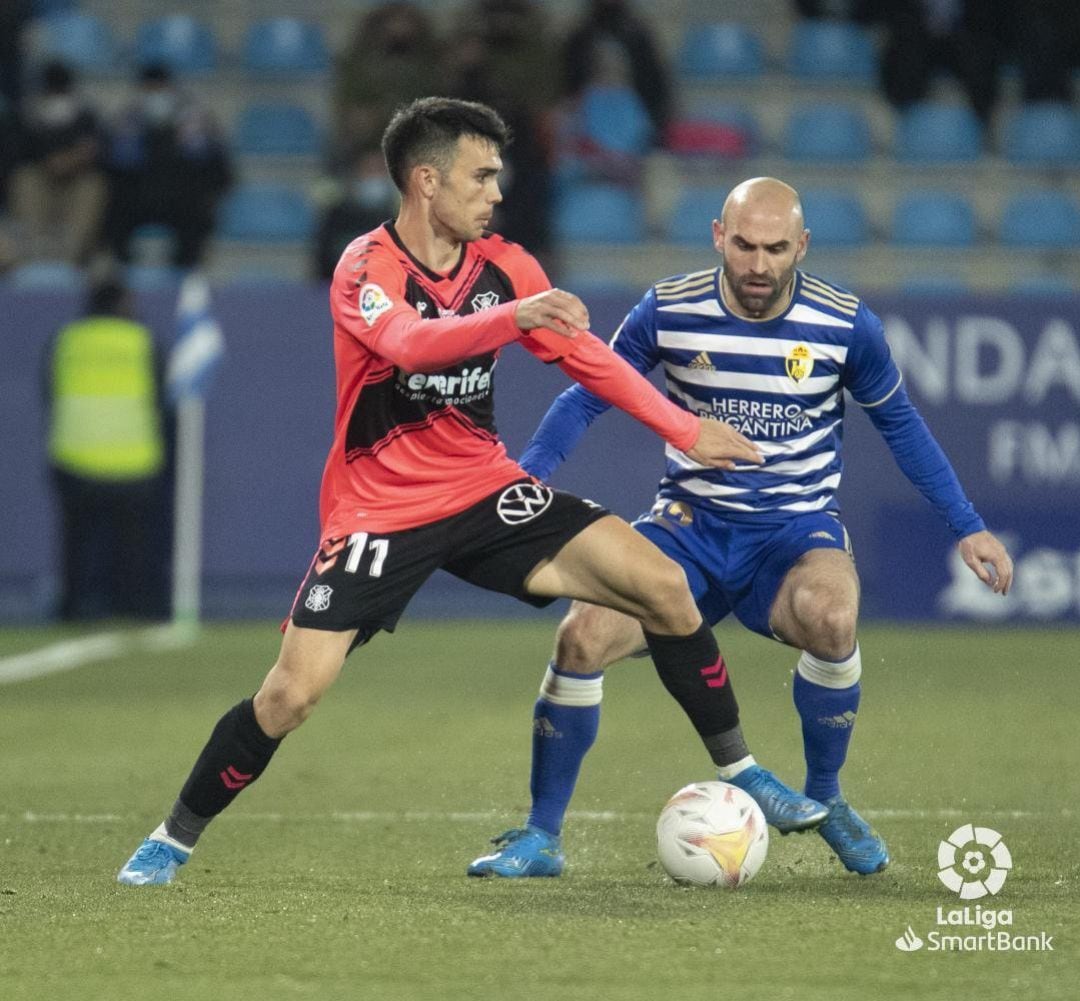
{"x": 567, "y": 419}
{"x": 922, "y": 461}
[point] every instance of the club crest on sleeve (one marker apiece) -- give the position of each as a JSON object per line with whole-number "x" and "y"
{"x": 373, "y": 303}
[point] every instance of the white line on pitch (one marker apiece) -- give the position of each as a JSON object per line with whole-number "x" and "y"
{"x": 67, "y": 655}
{"x": 424, "y": 816}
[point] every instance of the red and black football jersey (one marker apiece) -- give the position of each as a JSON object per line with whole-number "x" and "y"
{"x": 414, "y": 433}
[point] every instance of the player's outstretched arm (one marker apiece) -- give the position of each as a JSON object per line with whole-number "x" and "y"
{"x": 988, "y": 559}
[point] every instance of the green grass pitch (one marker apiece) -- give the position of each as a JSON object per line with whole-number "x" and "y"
{"x": 341, "y": 873}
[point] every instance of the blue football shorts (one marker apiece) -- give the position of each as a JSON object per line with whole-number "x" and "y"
{"x": 736, "y": 565}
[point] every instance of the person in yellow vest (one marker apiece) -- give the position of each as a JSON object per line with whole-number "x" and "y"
{"x": 107, "y": 452}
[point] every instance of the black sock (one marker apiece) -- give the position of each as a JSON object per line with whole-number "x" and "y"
{"x": 236, "y": 754}
{"x": 693, "y": 671}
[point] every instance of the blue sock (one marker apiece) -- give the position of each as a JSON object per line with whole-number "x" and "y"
{"x": 828, "y": 717}
{"x": 565, "y": 720}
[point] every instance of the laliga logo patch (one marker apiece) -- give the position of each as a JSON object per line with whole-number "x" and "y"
{"x": 800, "y": 363}
{"x": 373, "y": 303}
{"x": 982, "y": 866}
{"x": 318, "y": 599}
{"x": 523, "y": 502}
{"x": 484, "y": 300}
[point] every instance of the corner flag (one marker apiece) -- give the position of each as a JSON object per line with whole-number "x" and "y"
{"x": 195, "y": 356}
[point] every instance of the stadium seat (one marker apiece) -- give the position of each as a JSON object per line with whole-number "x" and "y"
{"x": 599, "y": 213}
{"x": 276, "y": 130}
{"x": 83, "y": 41}
{"x": 183, "y": 43}
{"x": 831, "y": 51}
{"x": 152, "y": 277}
{"x": 1041, "y": 220}
{"x": 718, "y": 50}
{"x": 267, "y": 213}
{"x": 45, "y": 8}
{"x": 938, "y": 133}
{"x": 835, "y": 218}
{"x": 691, "y": 219}
{"x": 614, "y": 118}
{"x": 827, "y": 133}
{"x": 53, "y": 276}
{"x": 933, "y": 219}
{"x": 1043, "y": 134}
{"x": 285, "y": 46}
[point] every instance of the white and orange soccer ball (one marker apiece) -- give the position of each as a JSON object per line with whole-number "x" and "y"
{"x": 711, "y": 834}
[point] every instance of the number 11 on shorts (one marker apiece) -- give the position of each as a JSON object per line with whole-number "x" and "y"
{"x": 358, "y": 545}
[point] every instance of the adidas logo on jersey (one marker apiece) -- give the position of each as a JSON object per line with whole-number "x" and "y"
{"x": 702, "y": 361}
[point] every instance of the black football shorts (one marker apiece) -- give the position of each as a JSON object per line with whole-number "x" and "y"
{"x": 366, "y": 580}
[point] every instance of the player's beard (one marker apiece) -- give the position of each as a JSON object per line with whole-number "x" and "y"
{"x": 756, "y": 303}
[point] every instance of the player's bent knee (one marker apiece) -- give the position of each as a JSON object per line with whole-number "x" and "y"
{"x": 281, "y": 708}
{"x": 833, "y": 632}
{"x": 669, "y": 605}
{"x": 580, "y": 647}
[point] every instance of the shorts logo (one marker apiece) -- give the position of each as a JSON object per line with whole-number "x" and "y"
{"x": 373, "y": 303}
{"x": 318, "y": 599}
{"x": 484, "y": 300}
{"x": 523, "y": 502}
{"x": 799, "y": 363}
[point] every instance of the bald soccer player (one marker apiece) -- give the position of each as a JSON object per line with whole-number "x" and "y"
{"x": 768, "y": 348}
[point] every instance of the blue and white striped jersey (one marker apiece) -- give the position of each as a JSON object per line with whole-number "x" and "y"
{"x": 781, "y": 382}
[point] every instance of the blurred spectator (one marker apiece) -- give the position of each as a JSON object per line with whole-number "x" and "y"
{"x": 107, "y": 456}
{"x": 58, "y": 188}
{"x": 393, "y": 57}
{"x": 167, "y": 165}
{"x": 364, "y": 199}
{"x": 967, "y": 38}
{"x": 502, "y": 55}
{"x": 14, "y": 15}
{"x": 611, "y": 45}
{"x": 845, "y": 10}
{"x": 1046, "y": 48}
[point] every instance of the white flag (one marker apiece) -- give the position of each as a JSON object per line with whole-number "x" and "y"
{"x": 199, "y": 345}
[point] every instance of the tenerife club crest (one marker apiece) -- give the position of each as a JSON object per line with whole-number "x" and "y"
{"x": 799, "y": 363}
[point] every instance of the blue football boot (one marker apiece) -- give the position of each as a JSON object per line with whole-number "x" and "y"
{"x": 154, "y": 864}
{"x": 523, "y": 851}
{"x": 784, "y": 808}
{"x": 855, "y": 842}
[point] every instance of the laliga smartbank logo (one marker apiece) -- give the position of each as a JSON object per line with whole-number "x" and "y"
{"x": 973, "y": 862}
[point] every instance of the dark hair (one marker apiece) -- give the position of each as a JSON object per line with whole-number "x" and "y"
{"x": 427, "y": 130}
{"x": 106, "y": 298}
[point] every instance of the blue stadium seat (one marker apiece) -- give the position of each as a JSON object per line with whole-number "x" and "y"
{"x": 938, "y": 133}
{"x": 598, "y": 213}
{"x": 827, "y": 133}
{"x": 933, "y": 219}
{"x": 285, "y": 46}
{"x": 721, "y": 49}
{"x": 52, "y": 276}
{"x": 835, "y": 218}
{"x": 614, "y": 118}
{"x": 183, "y": 43}
{"x": 44, "y": 8}
{"x": 276, "y": 130}
{"x": 1043, "y": 134}
{"x": 832, "y": 50}
{"x": 267, "y": 213}
{"x": 691, "y": 219}
{"x": 85, "y": 42}
{"x": 1041, "y": 220}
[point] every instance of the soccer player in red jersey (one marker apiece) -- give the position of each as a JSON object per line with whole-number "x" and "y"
{"x": 417, "y": 479}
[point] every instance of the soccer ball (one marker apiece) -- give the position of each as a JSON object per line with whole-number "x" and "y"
{"x": 711, "y": 834}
